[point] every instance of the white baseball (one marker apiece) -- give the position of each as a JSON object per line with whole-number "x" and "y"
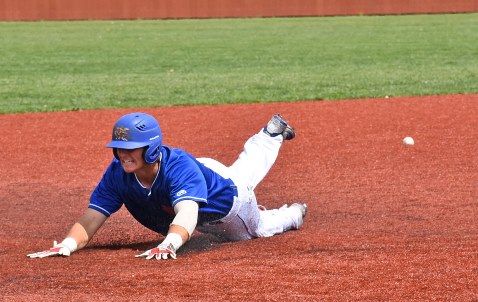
{"x": 408, "y": 141}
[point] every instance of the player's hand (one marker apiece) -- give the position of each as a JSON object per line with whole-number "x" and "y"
{"x": 162, "y": 251}
{"x": 56, "y": 250}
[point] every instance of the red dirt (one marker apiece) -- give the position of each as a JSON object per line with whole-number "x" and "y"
{"x": 386, "y": 222}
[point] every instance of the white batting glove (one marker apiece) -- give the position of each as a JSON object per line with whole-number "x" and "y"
{"x": 57, "y": 250}
{"x": 166, "y": 249}
{"x": 162, "y": 251}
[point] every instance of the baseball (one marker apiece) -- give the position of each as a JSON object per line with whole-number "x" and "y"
{"x": 408, "y": 141}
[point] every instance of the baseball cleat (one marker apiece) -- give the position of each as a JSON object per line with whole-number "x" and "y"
{"x": 301, "y": 210}
{"x": 295, "y": 214}
{"x": 289, "y": 133}
{"x": 278, "y": 126}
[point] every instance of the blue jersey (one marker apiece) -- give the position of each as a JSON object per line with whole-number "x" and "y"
{"x": 181, "y": 177}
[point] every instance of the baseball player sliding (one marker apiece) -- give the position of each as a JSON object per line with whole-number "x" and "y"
{"x": 169, "y": 191}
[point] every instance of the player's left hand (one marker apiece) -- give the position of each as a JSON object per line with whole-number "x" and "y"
{"x": 162, "y": 251}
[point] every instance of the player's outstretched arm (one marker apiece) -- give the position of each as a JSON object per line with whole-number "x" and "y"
{"x": 179, "y": 232}
{"x": 78, "y": 236}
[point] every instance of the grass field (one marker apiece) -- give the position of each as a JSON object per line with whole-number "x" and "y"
{"x": 51, "y": 66}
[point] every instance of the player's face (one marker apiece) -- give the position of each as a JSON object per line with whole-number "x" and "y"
{"x": 131, "y": 160}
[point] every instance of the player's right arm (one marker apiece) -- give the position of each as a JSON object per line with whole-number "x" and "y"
{"x": 84, "y": 229}
{"x": 78, "y": 237}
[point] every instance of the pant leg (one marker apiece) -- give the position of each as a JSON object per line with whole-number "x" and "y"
{"x": 245, "y": 221}
{"x": 259, "y": 154}
{"x": 250, "y": 222}
{"x": 259, "y": 223}
{"x": 256, "y": 159}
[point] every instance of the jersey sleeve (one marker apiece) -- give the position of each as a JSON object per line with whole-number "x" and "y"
{"x": 186, "y": 182}
{"x": 106, "y": 198}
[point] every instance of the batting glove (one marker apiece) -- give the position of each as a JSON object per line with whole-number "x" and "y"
{"x": 56, "y": 250}
{"x": 162, "y": 251}
{"x": 166, "y": 249}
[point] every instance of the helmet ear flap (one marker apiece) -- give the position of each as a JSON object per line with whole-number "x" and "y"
{"x": 151, "y": 153}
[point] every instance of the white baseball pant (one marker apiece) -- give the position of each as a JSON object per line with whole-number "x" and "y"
{"x": 245, "y": 221}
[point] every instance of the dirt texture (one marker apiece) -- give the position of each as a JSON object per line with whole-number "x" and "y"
{"x": 386, "y": 222}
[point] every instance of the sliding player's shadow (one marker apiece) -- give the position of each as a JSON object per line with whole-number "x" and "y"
{"x": 199, "y": 242}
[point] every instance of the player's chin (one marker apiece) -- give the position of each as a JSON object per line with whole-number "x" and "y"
{"x": 129, "y": 167}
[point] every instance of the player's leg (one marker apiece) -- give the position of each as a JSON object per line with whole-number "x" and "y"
{"x": 280, "y": 220}
{"x": 255, "y": 161}
{"x": 260, "y": 222}
{"x": 246, "y": 220}
{"x": 261, "y": 151}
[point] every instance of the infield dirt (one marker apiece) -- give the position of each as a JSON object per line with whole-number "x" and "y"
{"x": 386, "y": 222}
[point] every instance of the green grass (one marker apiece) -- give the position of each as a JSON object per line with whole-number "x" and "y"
{"x": 51, "y": 66}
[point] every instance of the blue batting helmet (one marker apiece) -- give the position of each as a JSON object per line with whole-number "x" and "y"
{"x": 137, "y": 130}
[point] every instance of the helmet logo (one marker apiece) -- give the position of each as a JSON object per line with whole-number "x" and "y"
{"x": 121, "y": 133}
